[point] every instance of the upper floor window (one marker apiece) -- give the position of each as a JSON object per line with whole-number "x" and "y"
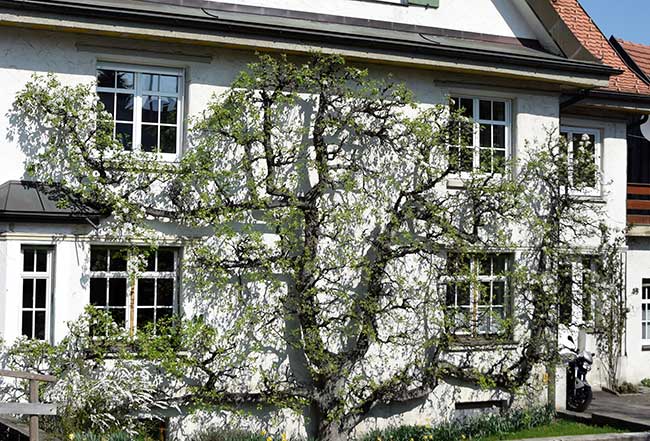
{"x": 145, "y": 104}
{"x": 134, "y": 301}
{"x": 485, "y": 144}
{"x": 36, "y": 285}
{"x": 477, "y": 293}
{"x": 580, "y": 156}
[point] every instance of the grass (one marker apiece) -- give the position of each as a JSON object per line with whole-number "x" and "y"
{"x": 555, "y": 428}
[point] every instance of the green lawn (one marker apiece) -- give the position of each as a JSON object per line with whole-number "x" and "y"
{"x": 556, "y": 428}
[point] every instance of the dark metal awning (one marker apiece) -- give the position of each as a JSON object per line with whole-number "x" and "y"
{"x": 29, "y": 201}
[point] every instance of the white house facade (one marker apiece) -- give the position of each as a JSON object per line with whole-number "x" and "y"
{"x": 157, "y": 63}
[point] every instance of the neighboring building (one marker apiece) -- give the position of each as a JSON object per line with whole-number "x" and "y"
{"x": 542, "y": 63}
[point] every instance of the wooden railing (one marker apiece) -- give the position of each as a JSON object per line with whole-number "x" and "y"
{"x": 638, "y": 204}
{"x": 33, "y": 408}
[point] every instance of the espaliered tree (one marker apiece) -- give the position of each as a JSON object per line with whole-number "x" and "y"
{"x": 314, "y": 208}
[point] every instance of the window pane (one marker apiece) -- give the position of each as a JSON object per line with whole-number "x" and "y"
{"x": 39, "y": 325}
{"x": 117, "y": 292}
{"x": 41, "y": 292}
{"x": 146, "y": 292}
{"x": 98, "y": 259}
{"x": 463, "y": 297}
{"x": 450, "y": 298}
{"x": 151, "y": 261}
{"x": 499, "y": 136}
{"x": 119, "y": 316}
{"x": 165, "y": 292}
{"x": 165, "y": 259}
{"x": 499, "y": 161}
{"x": 150, "y": 82}
{"x": 105, "y": 78}
{"x": 118, "y": 260}
{"x": 28, "y": 293}
{"x": 485, "y": 135}
{"x": 499, "y": 111}
{"x": 466, "y": 159}
{"x": 41, "y": 261}
{"x": 107, "y": 99}
{"x": 125, "y": 80}
{"x": 484, "y": 293}
{"x": 498, "y": 293}
{"x": 167, "y": 139}
{"x": 485, "y": 109}
{"x": 168, "y": 110}
{"x": 467, "y": 107}
{"x": 98, "y": 292}
{"x": 28, "y": 260}
{"x": 124, "y": 105}
{"x": 485, "y": 160}
{"x": 124, "y": 134}
{"x": 149, "y": 138}
{"x": 499, "y": 262}
{"x": 163, "y": 314}
{"x": 150, "y": 108}
{"x": 27, "y": 323}
{"x": 169, "y": 83}
{"x": 145, "y": 316}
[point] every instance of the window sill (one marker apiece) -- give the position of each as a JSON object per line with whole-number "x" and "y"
{"x": 594, "y": 199}
{"x": 463, "y": 344}
{"x": 459, "y": 182}
{"x": 645, "y": 348}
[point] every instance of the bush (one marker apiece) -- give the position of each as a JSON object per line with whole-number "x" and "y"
{"x": 228, "y": 435}
{"x": 117, "y": 436}
{"x": 472, "y": 428}
{"x": 645, "y": 382}
{"x": 627, "y": 388}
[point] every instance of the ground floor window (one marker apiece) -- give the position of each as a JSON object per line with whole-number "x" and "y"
{"x": 477, "y": 293}
{"x": 36, "y": 285}
{"x": 137, "y": 288}
{"x": 645, "y": 309}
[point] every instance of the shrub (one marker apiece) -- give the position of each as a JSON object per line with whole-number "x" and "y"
{"x": 228, "y": 435}
{"x": 471, "y": 428}
{"x": 645, "y": 382}
{"x": 627, "y": 388}
{"x": 116, "y": 436}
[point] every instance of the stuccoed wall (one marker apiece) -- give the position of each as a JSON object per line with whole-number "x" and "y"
{"x": 27, "y": 52}
{"x": 635, "y": 364}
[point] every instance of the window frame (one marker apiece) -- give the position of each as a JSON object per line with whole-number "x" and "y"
{"x": 474, "y": 282}
{"x": 132, "y": 286}
{"x": 571, "y": 131}
{"x": 138, "y": 94}
{"x": 476, "y": 132}
{"x": 645, "y": 308}
{"x": 48, "y": 276}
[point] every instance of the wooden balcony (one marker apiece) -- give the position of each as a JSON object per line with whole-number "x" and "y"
{"x": 638, "y": 204}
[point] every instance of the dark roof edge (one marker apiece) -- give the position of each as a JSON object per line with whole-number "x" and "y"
{"x": 629, "y": 60}
{"x": 302, "y": 34}
{"x": 31, "y": 217}
{"x": 621, "y": 96}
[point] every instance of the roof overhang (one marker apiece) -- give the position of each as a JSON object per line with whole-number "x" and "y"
{"x": 29, "y": 201}
{"x": 198, "y": 26}
{"x": 611, "y": 101}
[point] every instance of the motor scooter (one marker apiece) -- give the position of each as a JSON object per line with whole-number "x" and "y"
{"x": 578, "y": 390}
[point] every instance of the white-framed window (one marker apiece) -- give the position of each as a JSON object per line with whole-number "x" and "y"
{"x": 486, "y": 145}
{"x": 581, "y": 167}
{"x": 645, "y": 310}
{"x": 37, "y": 289}
{"x": 146, "y": 105}
{"x": 477, "y": 293}
{"x": 134, "y": 301}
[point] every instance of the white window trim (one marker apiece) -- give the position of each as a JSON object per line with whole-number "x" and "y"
{"x": 476, "y": 140}
{"x": 570, "y": 131}
{"x": 645, "y": 302}
{"x": 137, "y": 101}
{"x": 131, "y": 304}
{"x": 33, "y": 275}
{"x": 474, "y": 294}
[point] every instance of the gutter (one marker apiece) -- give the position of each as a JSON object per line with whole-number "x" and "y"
{"x": 296, "y": 36}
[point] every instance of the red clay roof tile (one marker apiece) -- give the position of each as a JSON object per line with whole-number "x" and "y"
{"x": 640, "y": 53}
{"x": 588, "y": 33}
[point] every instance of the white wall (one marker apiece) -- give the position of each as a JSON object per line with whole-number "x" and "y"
{"x": 495, "y": 17}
